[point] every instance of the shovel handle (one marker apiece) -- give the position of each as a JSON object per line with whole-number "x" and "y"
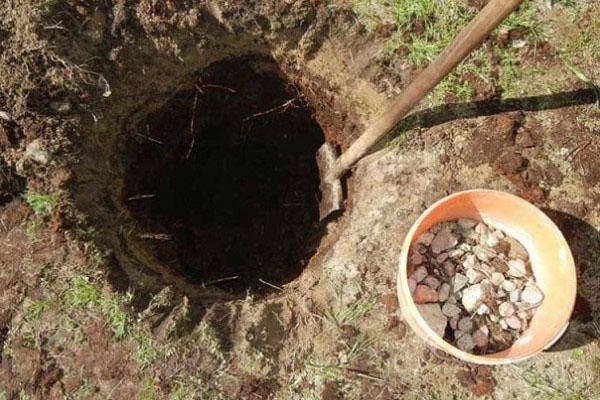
{"x": 470, "y": 38}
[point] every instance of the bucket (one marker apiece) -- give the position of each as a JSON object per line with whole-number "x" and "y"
{"x": 551, "y": 261}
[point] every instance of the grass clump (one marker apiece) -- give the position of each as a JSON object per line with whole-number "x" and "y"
{"x": 41, "y": 204}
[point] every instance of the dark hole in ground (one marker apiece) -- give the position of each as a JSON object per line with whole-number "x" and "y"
{"x": 242, "y": 208}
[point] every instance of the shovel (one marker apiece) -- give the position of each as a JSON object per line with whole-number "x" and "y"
{"x": 332, "y": 168}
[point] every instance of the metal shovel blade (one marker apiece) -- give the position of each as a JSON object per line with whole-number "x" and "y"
{"x": 332, "y": 196}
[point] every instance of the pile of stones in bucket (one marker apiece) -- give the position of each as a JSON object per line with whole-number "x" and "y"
{"x": 473, "y": 285}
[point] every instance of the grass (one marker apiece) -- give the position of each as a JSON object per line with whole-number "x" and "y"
{"x": 545, "y": 388}
{"x": 41, "y": 204}
{"x": 208, "y": 340}
{"x": 353, "y": 313}
{"x": 148, "y": 390}
{"x": 146, "y": 352}
{"x": 35, "y": 309}
{"x": 84, "y": 294}
{"x": 180, "y": 392}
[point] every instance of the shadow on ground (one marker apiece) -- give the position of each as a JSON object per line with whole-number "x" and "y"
{"x": 584, "y": 241}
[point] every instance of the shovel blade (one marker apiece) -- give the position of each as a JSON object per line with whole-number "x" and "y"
{"x": 332, "y": 197}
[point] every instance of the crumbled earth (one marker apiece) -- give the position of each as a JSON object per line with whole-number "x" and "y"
{"x": 87, "y": 308}
{"x": 480, "y": 282}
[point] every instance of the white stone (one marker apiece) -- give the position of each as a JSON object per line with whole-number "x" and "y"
{"x": 466, "y": 223}
{"x": 514, "y": 296}
{"x": 497, "y": 278}
{"x": 506, "y": 309}
{"x": 474, "y": 276}
{"x": 459, "y": 282}
{"x": 532, "y": 294}
{"x": 473, "y": 297}
{"x": 483, "y": 310}
{"x": 470, "y": 262}
{"x": 517, "y": 268}
{"x": 514, "y": 322}
{"x": 36, "y": 151}
{"x": 509, "y": 286}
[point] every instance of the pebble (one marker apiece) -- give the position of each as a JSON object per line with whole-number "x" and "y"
{"x": 459, "y": 282}
{"x": 480, "y": 338}
{"x": 483, "y": 310}
{"x": 5, "y": 116}
{"x": 466, "y": 223}
{"x": 426, "y": 238}
{"x": 506, "y": 309}
{"x": 481, "y": 228}
{"x": 465, "y": 343}
{"x": 424, "y": 294}
{"x": 514, "y": 296}
{"x": 432, "y": 282}
{"x": 412, "y": 285}
{"x": 450, "y": 310}
{"x": 509, "y": 286}
{"x": 454, "y": 322}
{"x": 481, "y": 253}
{"x": 514, "y": 322}
{"x": 473, "y": 296}
{"x": 432, "y": 314}
{"x": 532, "y": 294}
{"x": 417, "y": 259}
{"x": 36, "y": 151}
{"x": 517, "y": 251}
{"x": 442, "y": 257}
{"x": 61, "y": 106}
{"x": 449, "y": 269}
{"x": 419, "y": 274}
{"x": 465, "y": 324}
{"x": 443, "y": 292}
{"x": 517, "y": 268}
{"x": 443, "y": 240}
{"x": 497, "y": 278}
{"x": 474, "y": 276}
{"x": 456, "y": 253}
{"x": 470, "y": 262}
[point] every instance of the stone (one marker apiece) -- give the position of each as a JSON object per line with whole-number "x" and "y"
{"x": 412, "y": 285}
{"x": 432, "y": 282}
{"x": 424, "y": 294}
{"x": 426, "y": 238}
{"x": 459, "y": 282}
{"x": 491, "y": 240}
{"x": 517, "y": 251}
{"x": 514, "y": 296}
{"x": 466, "y": 223}
{"x": 470, "y": 262}
{"x": 420, "y": 248}
{"x": 449, "y": 269}
{"x": 506, "y": 309}
{"x": 442, "y": 241}
{"x": 499, "y": 265}
{"x": 454, "y": 322}
{"x": 450, "y": 310}
{"x": 474, "y": 276}
{"x": 37, "y": 152}
{"x": 513, "y": 322}
{"x": 480, "y": 338}
{"x": 452, "y": 299}
{"x": 483, "y": 310}
{"x": 532, "y": 294}
{"x": 497, "y": 278}
{"x": 62, "y": 107}
{"x": 432, "y": 314}
{"x": 503, "y": 324}
{"x": 482, "y": 253}
{"x": 5, "y": 116}
{"x": 517, "y": 268}
{"x": 474, "y": 296}
{"x": 465, "y": 343}
{"x": 500, "y": 293}
{"x": 509, "y": 286}
{"x": 417, "y": 259}
{"x": 442, "y": 257}
{"x": 444, "y": 292}
{"x": 465, "y": 324}
{"x": 456, "y": 253}
{"x": 419, "y": 274}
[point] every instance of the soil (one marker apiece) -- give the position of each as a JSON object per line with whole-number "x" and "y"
{"x": 117, "y": 294}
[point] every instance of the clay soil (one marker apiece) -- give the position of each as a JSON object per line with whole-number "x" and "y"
{"x": 159, "y": 196}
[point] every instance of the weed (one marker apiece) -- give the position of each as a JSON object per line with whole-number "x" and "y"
{"x": 82, "y": 293}
{"x": 34, "y": 310}
{"x": 32, "y": 229}
{"x": 148, "y": 390}
{"x": 115, "y": 317}
{"x": 146, "y": 352}
{"x": 353, "y": 313}
{"x": 41, "y": 204}
{"x": 24, "y": 396}
{"x": 577, "y": 354}
{"x": 180, "y": 392}
{"x": 84, "y": 391}
{"x": 548, "y": 389}
{"x": 209, "y": 341}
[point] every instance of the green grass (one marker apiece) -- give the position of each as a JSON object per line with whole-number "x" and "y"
{"x": 353, "y": 313}
{"x": 83, "y": 293}
{"x": 147, "y": 391}
{"x": 35, "y": 309}
{"x": 543, "y": 387}
{"x": 146, "y": 352}
{"x": 180, "y": 392}
{"x": 41, "y": 204}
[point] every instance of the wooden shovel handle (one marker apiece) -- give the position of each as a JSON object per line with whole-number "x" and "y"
{"x": 467, "y": 40}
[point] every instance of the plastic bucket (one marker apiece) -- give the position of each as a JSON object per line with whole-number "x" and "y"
{"x": 551, "y": 261}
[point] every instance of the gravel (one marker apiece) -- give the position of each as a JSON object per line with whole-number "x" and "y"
{"x": 476, "y": 280}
